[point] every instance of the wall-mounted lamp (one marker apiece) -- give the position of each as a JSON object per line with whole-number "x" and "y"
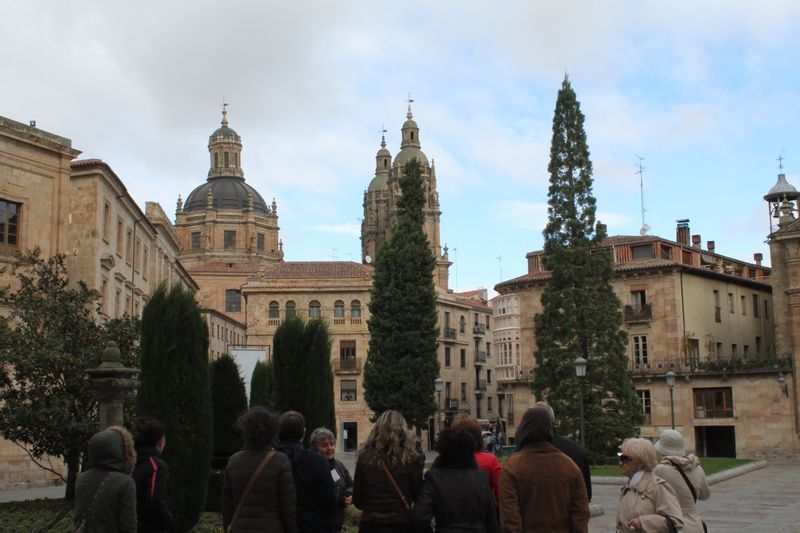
{"x": 783, "y": 385}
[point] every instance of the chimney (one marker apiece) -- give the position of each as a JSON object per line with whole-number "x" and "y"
{"x": 682, "y": 232}
{"x": 710, "y": 246}
{"x": 696, "y": 239}
{"x": 758, "y": 258}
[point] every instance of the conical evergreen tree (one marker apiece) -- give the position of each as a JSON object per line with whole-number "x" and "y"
{"x": 319, "y": 384}
{"x": 580, "y": 311}
{"x": 175, "y": 388}
{"x": 402, "y": 362}
{"x": 262, "y": 385}
{"x": 229, "y": 401}
{"x": 288, "y": 359}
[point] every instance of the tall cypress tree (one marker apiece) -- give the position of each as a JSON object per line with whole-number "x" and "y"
{"x": 580, "y": 311}
{"x": 319, "y": 383}
{"x": 262, "y": 385}
{"x": 175, "y": 388}
{"x": 288, "y": 360}
{"x": 229, "y": 401}
{"x": 402, "y": 363}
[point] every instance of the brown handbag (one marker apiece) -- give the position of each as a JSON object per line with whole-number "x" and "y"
{"x": 249, "y": 486}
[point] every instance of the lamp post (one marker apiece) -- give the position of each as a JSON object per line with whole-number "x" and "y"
{"x": 438, "y": 385}
{"x": 671, "y": 384}
{"x": 580, "y": 372}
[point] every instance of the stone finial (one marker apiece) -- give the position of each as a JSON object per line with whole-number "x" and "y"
{"x": 280, "y": 245}
{"x": 249, "y": 200}
{"x": 274, "y": 206}
{"x": 210, "y": 199}
{"x": 112, "y": 381}
{"x": 179, "y": 204}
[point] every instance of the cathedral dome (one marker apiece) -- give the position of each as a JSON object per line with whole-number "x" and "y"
{"x": 228, "y": 192}
{"x": 224, "y": 133}
{"x": 379, "y": 183}
{"x": 408, "y": 153}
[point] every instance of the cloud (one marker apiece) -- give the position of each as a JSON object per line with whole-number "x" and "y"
{"x": 345, "y": 229}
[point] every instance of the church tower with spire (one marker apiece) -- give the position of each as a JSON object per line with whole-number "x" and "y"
{"x": 226, "y": 229}
{"x": 380, "y": 199}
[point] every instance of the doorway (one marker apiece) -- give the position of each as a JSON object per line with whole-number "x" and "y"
{"x": 715, "y": 441}
{"x": 349, "y": 436}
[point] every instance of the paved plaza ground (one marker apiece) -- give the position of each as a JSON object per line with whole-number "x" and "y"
{"x": 763, "y": 501}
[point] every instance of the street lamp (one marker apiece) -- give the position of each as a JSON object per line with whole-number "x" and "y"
{"x": 580, "y": 372}
{"x": 438, "y": 385}
{"x": 671, "y": 384}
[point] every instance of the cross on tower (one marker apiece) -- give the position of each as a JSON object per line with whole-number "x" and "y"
{"x": 780, "y": 162}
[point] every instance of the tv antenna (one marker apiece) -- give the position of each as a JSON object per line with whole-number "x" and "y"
{"x": 640, "y": 172}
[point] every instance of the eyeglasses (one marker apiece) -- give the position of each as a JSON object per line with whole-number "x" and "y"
{"x": 624, "y": 459}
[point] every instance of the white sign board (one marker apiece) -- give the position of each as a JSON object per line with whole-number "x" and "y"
{"x": 246, "y": 358}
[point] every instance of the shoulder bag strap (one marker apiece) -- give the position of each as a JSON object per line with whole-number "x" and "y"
{"x": 685, "y": 478}
{"x": 249, "y": 486}
{"x": 88, "y": 511}
{"x": 154, "y": 465}
{"x": 406, "y": 506}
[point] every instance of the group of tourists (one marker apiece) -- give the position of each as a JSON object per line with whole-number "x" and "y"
{"x": 276, "y": 484}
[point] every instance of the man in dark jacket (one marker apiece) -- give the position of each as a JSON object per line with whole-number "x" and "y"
{"x": 316, "y": 491}
{"x": 151, "y": 474}
{"x": 570, "y": 448}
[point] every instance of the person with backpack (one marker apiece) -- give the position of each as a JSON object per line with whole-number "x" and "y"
{"x": 151, "y": 475}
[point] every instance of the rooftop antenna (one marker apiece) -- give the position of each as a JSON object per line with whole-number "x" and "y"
{"x": 640, "y": 172}
{"x": 333, "y": 254}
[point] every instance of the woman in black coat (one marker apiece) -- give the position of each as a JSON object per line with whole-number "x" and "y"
{"x": 455, "y": 492}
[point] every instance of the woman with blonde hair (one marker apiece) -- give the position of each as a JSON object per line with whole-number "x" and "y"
{"x": 647, "y": 502}
{"x": 388, "y": 476}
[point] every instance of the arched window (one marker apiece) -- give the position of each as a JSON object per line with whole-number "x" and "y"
{"x": 274, "y": 310}
{"x": 314, "y": 309}
{"x": 462, "y": 324}
{"x": 338, "y": 309}
{"x": 355, "y": 309}
{"x": 291, "y": 309}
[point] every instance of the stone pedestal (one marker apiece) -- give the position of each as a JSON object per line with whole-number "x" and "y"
{"x": 112, "y": 381}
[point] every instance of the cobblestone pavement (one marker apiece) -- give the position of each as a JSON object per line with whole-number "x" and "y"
{"x": 763, "y": 501}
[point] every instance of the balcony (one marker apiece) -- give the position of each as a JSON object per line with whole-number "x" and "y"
{"x": 450, "y": 405}
{"x": 720, "y": 366}
{"x": 639, "y": 314}
{"x": 347, "y": 366}
{"x": 480, "y": 386}
{"x": 449, "y": 333}
{"x": 480, "y": 358}
{"x": 479, "y": 330}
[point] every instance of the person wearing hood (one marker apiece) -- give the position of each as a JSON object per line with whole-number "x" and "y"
{"x": 316, "y": 491}
{"x": 685, "y": 475}
{"x": 105, "y": 493}
{"x": 541, "y": 489}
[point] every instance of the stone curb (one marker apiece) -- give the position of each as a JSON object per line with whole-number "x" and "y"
{"x": 712, "y": 479}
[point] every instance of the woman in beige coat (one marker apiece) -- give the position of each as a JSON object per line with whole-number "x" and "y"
{"x": 646, "y": 501}
{"x": 672, "y": 449}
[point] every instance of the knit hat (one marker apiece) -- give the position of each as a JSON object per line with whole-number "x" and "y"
{"x": 671, "y": 443}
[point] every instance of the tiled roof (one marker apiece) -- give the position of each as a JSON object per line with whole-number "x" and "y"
{"x": 318, "y": 270}
{"x": 86, "y": 163}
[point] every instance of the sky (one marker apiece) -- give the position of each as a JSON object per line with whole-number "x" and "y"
{"x": 707, "y": 92}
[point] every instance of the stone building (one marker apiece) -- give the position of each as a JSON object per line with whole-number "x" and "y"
{"x": 83, "y": 210}
{"x": 704, "y": 316}
{"x": 227, "y": 231}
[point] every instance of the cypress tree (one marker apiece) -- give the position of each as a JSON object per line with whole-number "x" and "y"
{"x": 288, "y": 359}
{"x": 262, "y": 385}
{"x": 580, "y": 311}
{"x": 402, "y": 362}
{"x": 229, "y": 401}
{"x": 319, "y": 384}
{"x": 175, "y": 389}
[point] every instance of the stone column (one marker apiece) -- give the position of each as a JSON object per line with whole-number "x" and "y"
{"x": 112, "y": 381}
